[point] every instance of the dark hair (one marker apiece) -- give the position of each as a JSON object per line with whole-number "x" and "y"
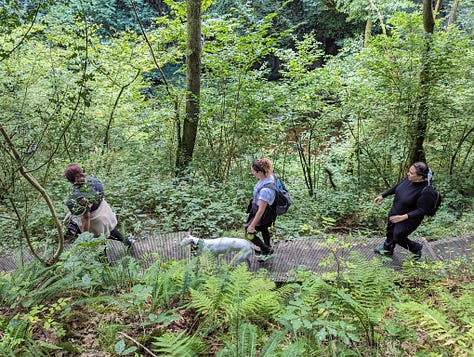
{"x": 421, "y": 169}
{"x": 73, "y": 173}
{"x": 262, "y": 165}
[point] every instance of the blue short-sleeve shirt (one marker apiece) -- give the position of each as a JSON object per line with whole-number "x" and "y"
{"x": 265, "y": 194}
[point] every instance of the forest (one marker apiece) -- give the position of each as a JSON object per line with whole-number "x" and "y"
{"x": 167, "y": 103}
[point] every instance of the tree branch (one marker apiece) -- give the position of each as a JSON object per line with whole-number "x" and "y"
{"x": 137, "y": 343}
{"x": 43, "y": 193}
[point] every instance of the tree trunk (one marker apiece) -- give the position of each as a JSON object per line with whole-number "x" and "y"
{"x": 452, "y": 13}
{"x": 368, "y": 30}
{"x": 417, "y": 152}
{"x": 193, "y": 85}
{"x": 428, "y": 17}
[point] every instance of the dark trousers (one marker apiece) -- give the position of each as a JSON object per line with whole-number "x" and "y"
{"x": 265, "y": 246}
{"x": 116, "y": 235}
{"x": 73, "y": 231}
{"x": 265, "y": 234}
{"x": 397, "y": 233}
{"x": 267, "y": 220}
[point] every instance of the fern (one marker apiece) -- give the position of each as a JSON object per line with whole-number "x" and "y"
{"x": 166, "y": 280}
{"x": 225, "y": 299}
{"x": 338, "y": 310}
{"x": 433, "y": 322}
{"x": 33, "y": 285}
{"x": 369, "y": 283}
{"x": 466, "y": 341}
{"x": 179, "y": 345}
{"x": 246, "y": 344}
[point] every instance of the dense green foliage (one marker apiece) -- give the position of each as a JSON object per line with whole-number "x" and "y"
{"x": 335, "y": 108}
{"x": 338, "y": 134}
{"x": 201, "y": 308}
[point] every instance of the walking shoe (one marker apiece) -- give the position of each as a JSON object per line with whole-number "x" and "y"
{"x": 417, "y": 254}
{"x": 130, "y": 241}
{"x": 382, "y": 251}
{"x": 268, "y": 252}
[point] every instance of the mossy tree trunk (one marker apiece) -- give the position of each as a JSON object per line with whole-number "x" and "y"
{"x": 417, "y": 152}
{"x": 193, "y": 85}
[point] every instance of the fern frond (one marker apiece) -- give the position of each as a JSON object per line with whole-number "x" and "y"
{"x": 179, "y": 345}
{"x": 270, "y": 347}
{"x": 206, "y": 302}
{"x": 466, "y": 341}
{"x": 263, "y": 306}
{"x": 369, "y": 283}
{"x": 166, "y": 280}
{"x": 245, "y": 343}
{"x": 433, "y": 322}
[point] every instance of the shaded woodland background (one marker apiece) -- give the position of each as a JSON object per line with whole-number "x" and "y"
{"x": 342, "y": 96}
{"x": 168, "y": 102}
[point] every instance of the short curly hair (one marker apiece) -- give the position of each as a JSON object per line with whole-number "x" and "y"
{"x": 73, "y": 173}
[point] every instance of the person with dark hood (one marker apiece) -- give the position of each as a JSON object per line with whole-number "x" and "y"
{"x": 410, "y": 205}
{"x": 88, "y": 210}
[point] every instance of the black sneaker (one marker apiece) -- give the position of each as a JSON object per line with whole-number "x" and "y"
{"x": 382, "y": 251}
{"x": 268, "y": 252}
{"x": 417, "y": 254}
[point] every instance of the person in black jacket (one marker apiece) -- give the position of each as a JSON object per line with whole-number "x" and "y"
{"x": 409, "y": 207}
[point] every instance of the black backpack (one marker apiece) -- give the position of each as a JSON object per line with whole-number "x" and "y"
{"x": 282, "y": 198}
{"x": 435, "y": 200}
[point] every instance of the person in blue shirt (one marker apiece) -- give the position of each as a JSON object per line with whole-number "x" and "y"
{"x": 261, "y": 215}
{"x": 409, "y": 207}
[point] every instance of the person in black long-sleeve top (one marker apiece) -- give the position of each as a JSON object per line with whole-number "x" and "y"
{"x": 409, "y": 207}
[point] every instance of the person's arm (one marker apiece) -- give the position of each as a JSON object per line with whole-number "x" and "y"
{"x": 398, "y": 218}
{"x": 378, "y": 199}
{"x": 262, "y": 205}
{"x": 389, "y": 192}
{"x": 86, "y": 221}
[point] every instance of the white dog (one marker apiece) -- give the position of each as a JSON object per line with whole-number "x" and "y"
{"x": 222, "y": 245}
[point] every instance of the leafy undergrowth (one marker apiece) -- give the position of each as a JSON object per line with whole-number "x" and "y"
{"x": 85, "y": 307}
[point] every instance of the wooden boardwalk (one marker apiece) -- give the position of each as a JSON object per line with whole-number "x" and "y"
{"x": 314, "y": 254}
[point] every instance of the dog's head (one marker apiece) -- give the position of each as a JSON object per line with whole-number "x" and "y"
{"x": 189, "y": 239}
{"x": 193, "y": 241}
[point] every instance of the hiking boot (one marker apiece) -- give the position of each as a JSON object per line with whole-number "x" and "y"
{"x": 382, "y": 251}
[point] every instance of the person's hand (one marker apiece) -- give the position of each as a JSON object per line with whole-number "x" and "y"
{"x": 398, "y": 218}
{"x": 378, "y": 199}
{"x": 250, "y": 229}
